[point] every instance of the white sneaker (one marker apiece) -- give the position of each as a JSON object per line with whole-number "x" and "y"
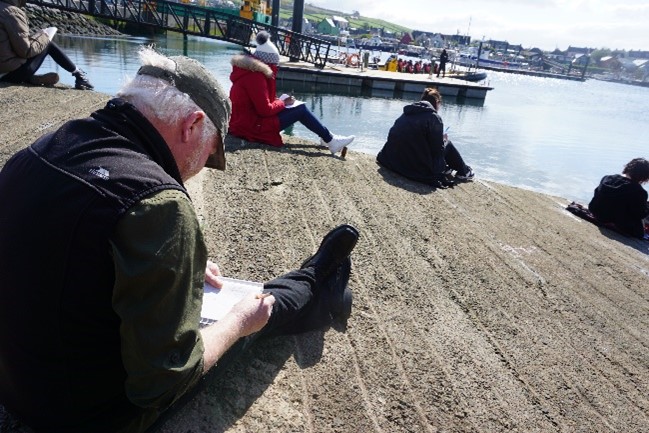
{"x": 338, "y": 142}
{"x": 468, "y": 177}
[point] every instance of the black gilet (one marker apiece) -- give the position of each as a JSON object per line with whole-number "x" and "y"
{"x": 61, "y": 198}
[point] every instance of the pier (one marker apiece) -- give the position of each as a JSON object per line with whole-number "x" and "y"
{"x": 532, "y": 73}
{"x": 371, "y": 82}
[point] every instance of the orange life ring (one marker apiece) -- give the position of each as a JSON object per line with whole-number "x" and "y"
{"x": 353, "y": 60}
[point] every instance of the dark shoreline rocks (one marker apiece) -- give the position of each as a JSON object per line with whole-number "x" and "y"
{"x": 68, "y": 23}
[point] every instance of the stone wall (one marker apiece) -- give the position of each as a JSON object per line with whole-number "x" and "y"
{"x": 68, "y": 23}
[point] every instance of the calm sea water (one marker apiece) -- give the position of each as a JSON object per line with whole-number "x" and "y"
{"x": 554, "y": 136}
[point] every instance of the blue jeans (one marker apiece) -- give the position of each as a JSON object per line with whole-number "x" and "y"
{"x": 301, "y": 113}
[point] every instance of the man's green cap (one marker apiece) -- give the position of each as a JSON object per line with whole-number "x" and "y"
{"x": 192, "y": 78}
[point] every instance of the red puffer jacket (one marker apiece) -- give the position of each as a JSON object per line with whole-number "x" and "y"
{"x": 254, "y": 102}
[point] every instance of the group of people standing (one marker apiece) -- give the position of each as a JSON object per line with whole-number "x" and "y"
{"x": 397, "y": 64}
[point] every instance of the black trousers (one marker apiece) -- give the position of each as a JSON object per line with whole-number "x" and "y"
{"x": 454, "y": 159}
{"x": 293, "y": 292}
{"x": 29, "y": 68}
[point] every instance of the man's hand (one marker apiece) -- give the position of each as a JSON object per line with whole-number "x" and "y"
{"x": 247, "y": 316}
{"x": 252, "y": 313}
{"x": 212, "y": 274}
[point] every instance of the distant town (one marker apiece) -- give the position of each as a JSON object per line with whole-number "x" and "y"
{"x": 630, "y": 67}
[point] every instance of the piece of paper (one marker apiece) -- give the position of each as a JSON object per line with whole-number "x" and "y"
{"x": 294, "y": 104}
{"x": 50, "y": 32}
{"x": 218, "y": 302}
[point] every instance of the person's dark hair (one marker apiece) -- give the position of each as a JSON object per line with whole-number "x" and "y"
{"x": 433, "y": 96}
{"x": 637, "y": 170}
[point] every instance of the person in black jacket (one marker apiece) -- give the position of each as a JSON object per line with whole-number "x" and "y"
{"x": 443, "y": 60}
{"x": 418, "y": 148}
{"x": 621, "y": 200}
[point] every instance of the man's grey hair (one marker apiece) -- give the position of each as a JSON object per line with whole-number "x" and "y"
{"x": 158, "y": 98}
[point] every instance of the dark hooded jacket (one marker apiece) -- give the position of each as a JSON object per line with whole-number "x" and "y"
{"x": 255, "y": 105}
{"x": 16, "y": 45}
{"x": 415, "y": 145}
{"x": 621, "y": 201}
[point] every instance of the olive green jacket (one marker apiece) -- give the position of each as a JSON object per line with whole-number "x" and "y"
{"x": 158, "y": 303}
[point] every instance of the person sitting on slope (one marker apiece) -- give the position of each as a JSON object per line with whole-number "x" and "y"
{"x": 257, "y": 113}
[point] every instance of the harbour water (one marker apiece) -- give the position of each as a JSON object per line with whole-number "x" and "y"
{"x": 553, "y": 136}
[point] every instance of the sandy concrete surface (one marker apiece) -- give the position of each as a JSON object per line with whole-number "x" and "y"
{"x": 481, "y": 308}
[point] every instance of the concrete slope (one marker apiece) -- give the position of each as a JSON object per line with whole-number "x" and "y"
{"x": 481, "y": 308}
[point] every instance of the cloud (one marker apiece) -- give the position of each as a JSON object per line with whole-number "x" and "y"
{"x": 534, "y": 23}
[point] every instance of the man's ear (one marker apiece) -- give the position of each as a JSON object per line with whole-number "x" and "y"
{"x": 190, "y": 125}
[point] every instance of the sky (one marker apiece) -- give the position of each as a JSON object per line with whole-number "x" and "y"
{"x": 546, "y": 24}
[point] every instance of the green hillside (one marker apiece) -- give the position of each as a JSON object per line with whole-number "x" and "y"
{"x": 316, "y": 14}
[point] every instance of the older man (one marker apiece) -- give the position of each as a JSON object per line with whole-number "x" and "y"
{"x": 102, "y": 261}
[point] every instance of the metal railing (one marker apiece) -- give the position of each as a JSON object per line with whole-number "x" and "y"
{"x": 215, "y": 23}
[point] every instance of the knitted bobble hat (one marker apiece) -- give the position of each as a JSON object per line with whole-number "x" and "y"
{"x": 266, "y": 51}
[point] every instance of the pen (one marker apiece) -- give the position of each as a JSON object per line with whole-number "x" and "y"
{"x": 262, "y": 295}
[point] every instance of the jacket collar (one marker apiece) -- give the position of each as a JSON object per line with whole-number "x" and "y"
{"x": 126, "y": 119}
{"x": 252, "y": 64}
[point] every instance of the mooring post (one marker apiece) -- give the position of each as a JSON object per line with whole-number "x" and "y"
{"x": 583, "y": 72}
{"x": 298, "y": 17}
{"x": 274, "y": 16}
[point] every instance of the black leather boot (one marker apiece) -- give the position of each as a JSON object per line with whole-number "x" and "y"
{"x": 334, "y": 248}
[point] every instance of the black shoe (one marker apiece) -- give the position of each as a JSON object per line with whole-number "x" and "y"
{"x": 81, "y": 81}
{"x": 334, "y": 248}
{"x": 340, "y": 296}
{"x": 331, "y": 303}
{"x": 443, "y": 183}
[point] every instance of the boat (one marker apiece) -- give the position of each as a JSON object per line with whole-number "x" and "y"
{"x": 473, "y": 56}
{"x": 469, "y": 76}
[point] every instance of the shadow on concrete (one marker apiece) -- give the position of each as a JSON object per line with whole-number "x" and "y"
{"x": 395, "y": 179}
{"x": 230, "y": 394}
{"x": 235, "y": 144}
{"x": 637, "y": 244}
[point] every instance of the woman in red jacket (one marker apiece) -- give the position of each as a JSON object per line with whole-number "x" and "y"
{"x": 257, "y": 113}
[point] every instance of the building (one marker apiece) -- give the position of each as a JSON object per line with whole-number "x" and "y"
{"x": 327, "y": 27}
{"x": 340, "y": 22}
